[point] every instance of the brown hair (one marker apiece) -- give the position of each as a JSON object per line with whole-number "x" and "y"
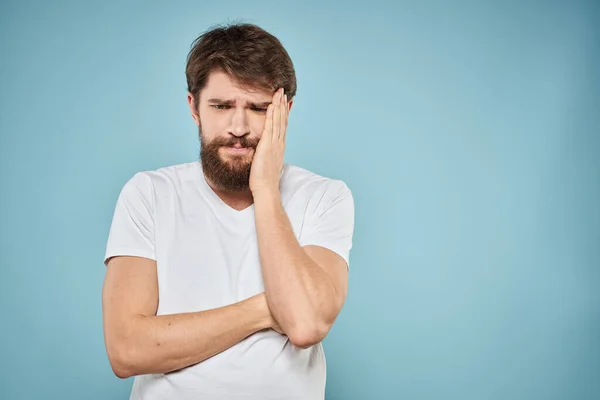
{"x": 249, "y": 54}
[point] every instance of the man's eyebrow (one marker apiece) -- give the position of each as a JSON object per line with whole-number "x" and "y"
{"x": 264, "y": 104}
{"x": 220, "y": 101}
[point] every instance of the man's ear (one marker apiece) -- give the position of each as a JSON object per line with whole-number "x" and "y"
{"x": 291, "y": 102}
{"x": 193, "y": 109}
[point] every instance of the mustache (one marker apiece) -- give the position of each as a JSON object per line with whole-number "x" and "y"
{"x": 242, "y": 141}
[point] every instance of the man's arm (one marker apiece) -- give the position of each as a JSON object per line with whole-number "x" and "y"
{"x": 139, "y": 342}
{"x": 305, "y": 286}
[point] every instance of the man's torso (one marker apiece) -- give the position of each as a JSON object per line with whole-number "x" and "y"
{"x": 207, "y": 257}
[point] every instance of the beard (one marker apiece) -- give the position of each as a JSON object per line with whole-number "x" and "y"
{"x": 232, "y": 175}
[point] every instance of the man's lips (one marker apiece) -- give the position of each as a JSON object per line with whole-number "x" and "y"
{"x": 237, "y": 149}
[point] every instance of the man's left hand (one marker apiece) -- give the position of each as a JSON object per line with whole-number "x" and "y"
{"x": 268, "y": 159}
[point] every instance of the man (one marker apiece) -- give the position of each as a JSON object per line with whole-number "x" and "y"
{"x": 224, "y": 275}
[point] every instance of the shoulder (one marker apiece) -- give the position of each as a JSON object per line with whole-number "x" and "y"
{"x": 172, "y": 176}
{"x": 316, "y": 188}
{"x": 148, "y": 185}
{"x": 295, "y": 176}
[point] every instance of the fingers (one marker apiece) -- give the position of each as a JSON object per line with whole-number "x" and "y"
{"x": 268, "y": 129}
{"x": 276, "y": 116}
{"x": 284, "y": 117}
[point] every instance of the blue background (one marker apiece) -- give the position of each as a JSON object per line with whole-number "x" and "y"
{"x": 468, "y": 132}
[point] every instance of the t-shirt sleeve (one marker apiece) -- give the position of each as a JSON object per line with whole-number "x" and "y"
{"x": 132, "y": 229}
{"x": 332, "y": 224}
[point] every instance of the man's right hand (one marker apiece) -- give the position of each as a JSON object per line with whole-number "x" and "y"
{"x": 273, "y": 324}
{"x": 277, "y": 328}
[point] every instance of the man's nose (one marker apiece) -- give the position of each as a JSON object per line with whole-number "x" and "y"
{"x": 239, "y": 123}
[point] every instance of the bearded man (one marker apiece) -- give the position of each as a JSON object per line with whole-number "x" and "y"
{"x": 225, "y": 274}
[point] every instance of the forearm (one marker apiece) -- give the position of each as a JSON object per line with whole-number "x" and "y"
{"x": 298, "y": 291}
{"x": 160, "y": 344}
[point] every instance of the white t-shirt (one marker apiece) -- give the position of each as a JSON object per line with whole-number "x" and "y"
{"x": 207, "y": 257}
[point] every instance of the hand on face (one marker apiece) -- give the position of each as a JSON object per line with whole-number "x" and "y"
{"x": 268, "y": 159}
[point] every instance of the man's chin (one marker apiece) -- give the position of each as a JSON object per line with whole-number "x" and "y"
{"x": 234, "y": 180}
{"x": 226, "y": 169}
{"x": 236, "y": 161}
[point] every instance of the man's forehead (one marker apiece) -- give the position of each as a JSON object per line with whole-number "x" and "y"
{"x": 237, "y": 96}
{"x": 221, "y": 86}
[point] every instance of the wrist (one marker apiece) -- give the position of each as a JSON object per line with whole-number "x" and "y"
{"x": 259, "y": 309}
{"x": 265, "y": 193}
{"x": 266, "y": 196}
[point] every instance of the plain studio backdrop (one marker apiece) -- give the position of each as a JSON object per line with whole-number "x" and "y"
{"x": 469, "y": 133}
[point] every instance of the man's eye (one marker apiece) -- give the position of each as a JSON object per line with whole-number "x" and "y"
{"x": 259, "y": 109}
{"x": 221, "y": 107}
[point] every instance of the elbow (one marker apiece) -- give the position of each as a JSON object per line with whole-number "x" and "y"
{"x": 121, "y": 361}
{"x": 121, "y": 372}
{"x": 307, "y": 337}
